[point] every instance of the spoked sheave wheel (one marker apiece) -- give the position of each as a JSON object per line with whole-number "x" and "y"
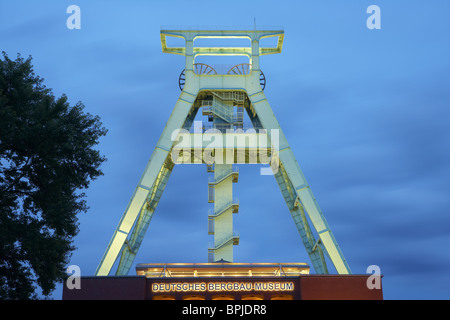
{"x": 244, "y": 68}
{"x": 181, "y": 80}
{"x": 199, "y": 68}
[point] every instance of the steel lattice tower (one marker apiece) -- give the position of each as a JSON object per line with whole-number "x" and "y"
{"x": 223, "y": 99}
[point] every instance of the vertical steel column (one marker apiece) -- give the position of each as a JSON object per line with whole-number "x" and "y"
{"x": 223, "y": 223}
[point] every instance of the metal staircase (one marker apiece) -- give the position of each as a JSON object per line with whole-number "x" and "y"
{"x": 212, "y": 214}
{"x": 233, "y": 172}
{"x": 213, "y": 247}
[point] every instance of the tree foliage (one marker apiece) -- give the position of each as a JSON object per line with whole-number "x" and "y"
{"x": 46, "y": 160}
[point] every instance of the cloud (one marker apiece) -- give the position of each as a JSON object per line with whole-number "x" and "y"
{"x": 365, "y": 112}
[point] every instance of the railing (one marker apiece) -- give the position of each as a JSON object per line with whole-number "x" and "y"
{"x": 220, "y": 28}
{"x": 234, "y": 237}
{"x": 211, "y": 255}
{"x": 211, "y": 194}
{"x": 223, "y": 127}
{"x": 218, "y": 211}
{"x": 238, "y": 96}
{"x": 214, "y": 180}
{"x": 211, "y": 226}
{"x": 222, "y": 110}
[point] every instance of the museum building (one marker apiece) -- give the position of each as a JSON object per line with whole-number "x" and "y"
{"x": 224, "y": 281}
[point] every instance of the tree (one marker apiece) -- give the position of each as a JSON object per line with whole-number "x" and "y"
{"x": 46, "y": 160}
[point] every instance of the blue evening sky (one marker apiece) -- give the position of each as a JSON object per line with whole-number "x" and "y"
{"x": 366, "y": 112}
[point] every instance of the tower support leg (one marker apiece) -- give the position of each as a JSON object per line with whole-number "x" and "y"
{"x": 298, "y": 215}
{"x": 147, "y": 184}
{"x": 294, "y": 175}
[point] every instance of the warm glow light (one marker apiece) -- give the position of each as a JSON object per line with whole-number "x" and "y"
{"x": 180, "y": 270}
{"x": 221, "y": 286}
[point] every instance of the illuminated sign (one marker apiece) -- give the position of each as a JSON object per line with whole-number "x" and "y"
{"x": 222, "y": 286}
